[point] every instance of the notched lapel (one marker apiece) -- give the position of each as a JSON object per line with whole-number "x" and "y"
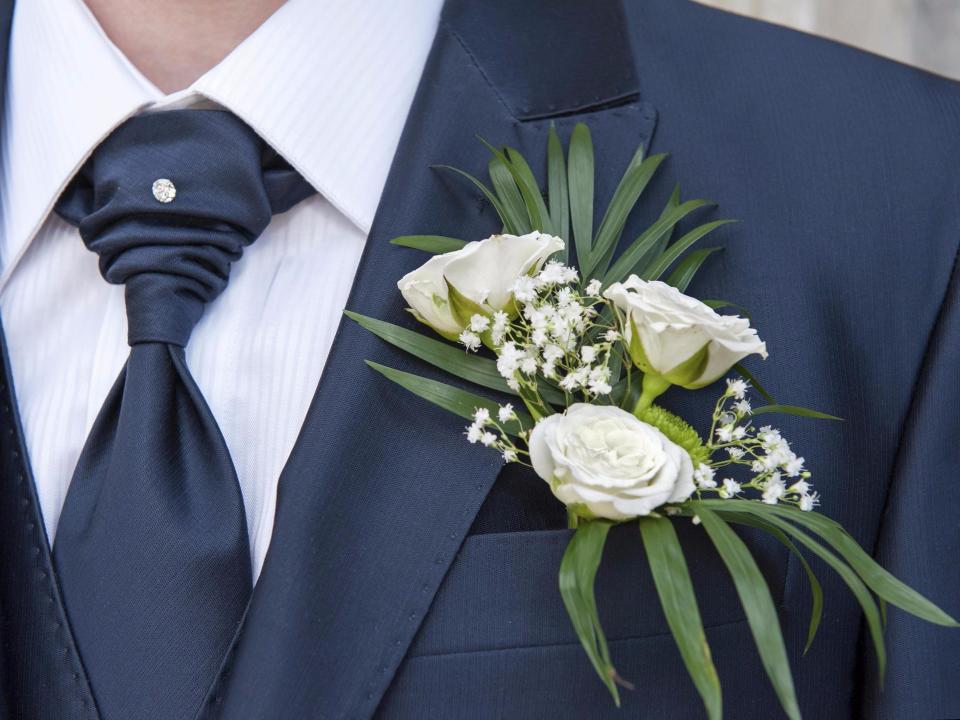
{"x": 381, "y": 488}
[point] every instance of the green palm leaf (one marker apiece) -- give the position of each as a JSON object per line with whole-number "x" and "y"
{"x": 492, "y": 198}
{"x": 578, "y": 571}
{"x": 683, "y": 274}
{"x": 758, "y": 606}
{"x": 557, "y": 189}
{"x": 672, "y": 580}
{"x": 636, "y": 178}
{"x": 634, "y": 258}
{"x": 580, "y": 184}
{"x": 670, "y": 255}
{"x": 509, "y": 194}
{"x": 816, "y": 590}
{"x": 450, "y": 398}
{"x": 435, "y": 244}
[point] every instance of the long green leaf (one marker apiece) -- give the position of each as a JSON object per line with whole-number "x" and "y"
{"x": 580, "y": 183}
{"x": 578, "y": 571}
{"x": 857, "y": 587}
{"x": 672, "y": 580}
{"x": 753, "y": 381}
{"x": 453, "y": 399}
{"x": 684, "y": 272}
{"x": 435, "y": 244}
{"x": 717, "y": 304}
{"x": 634, "y": 258}
{"x": 672, "y": 203}
{"x": 816, "y": 590}
{"x": 557, "y": 193}
{"x": 659, "y": 266}
{"x": 794, "y": 410}
{"x": 497, "y": 205}
{"x": 530, "y": 189}
{"x": 474, "y": 368}
{"x": 534, "y": 207}
{"x": 506, "y": 188}
{"x": 879, "y": 580}
{"x": 757, "y": 605}
{"x": 634, "y": 181}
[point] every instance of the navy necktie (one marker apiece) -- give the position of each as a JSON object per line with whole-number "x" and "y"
{"x": 152, "y": 551}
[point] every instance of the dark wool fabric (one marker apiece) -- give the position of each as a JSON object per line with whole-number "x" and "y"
{"x": 411, "y": 575}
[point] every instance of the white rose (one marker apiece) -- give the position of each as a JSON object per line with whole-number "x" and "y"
{"x": 602, "y": 459}
{"x": 679, "y": 338}
{"x": 483, "y": 272}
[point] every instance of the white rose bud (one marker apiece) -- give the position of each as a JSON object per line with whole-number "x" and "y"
{"x": 482, "y": 272}
{"x": 603, "y": 462}
{"x": 678, "y": 337}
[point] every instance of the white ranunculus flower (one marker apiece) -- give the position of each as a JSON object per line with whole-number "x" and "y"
{"x": 678, "y": 337}
{"x": 483, "y": 271}
{"x": 603, "y": 460}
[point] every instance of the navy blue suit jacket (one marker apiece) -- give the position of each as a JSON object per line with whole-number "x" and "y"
{"x": 410, "y": 576}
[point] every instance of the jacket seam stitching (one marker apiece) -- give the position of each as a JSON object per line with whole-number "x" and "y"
{"x": 922, "y": 371}
{"x": 479, "y": 68}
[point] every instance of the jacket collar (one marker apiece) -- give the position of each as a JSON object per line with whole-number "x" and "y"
{"x": 381, "y": 489}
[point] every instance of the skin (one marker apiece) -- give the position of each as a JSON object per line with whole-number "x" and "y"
{"x": 174, "y": 42}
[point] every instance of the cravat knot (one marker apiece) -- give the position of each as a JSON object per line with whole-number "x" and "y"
{"x": 169, "y": 201}
{"x": 153, "y": 533}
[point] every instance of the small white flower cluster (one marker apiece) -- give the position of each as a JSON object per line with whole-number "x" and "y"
{"x": 778, "y": 473}
{"x": 490, "y": 432}
{"x": 548, "y": 337}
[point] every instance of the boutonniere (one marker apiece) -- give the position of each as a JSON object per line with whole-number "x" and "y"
{"x": 585, "y": 348}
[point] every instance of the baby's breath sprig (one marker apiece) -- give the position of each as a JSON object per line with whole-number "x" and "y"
{"x": 544, "y": 342}
{"x": 490, "y": 433}
{"x": 778, "y": 474}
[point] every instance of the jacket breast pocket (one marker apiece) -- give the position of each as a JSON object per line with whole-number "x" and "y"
{"x": 501, "y": 591}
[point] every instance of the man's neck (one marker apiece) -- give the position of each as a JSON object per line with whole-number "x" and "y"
{"x": 176, "y": 41}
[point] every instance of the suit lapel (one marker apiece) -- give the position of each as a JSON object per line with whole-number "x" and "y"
{"x": 381, "y": 488}
{"x": 40, "y": 669}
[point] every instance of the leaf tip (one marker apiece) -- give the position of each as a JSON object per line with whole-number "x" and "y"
{"x": 377, "y": 366}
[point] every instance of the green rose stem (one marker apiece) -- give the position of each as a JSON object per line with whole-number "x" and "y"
{"x": 653, "y": 387}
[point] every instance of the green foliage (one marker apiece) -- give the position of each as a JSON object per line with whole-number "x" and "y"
{"x": 794, "y": 410}
{"x": 672, "y": 579}
{"x": 637, "y": 256}
{"x": 681, "y": 276}
{"x": 663, "y": 261}
{"x": 557, "y": 192}
{"x": 435, "y": 244}
{"x": 757, "y": 605}
{"x": 752, "y": 380}
{"x": 580, "y": 177}
{"x": 450, "y": 398}
{"x": 625, "y": 197}
{"x": 518, "y": 200}
{"x": 578, "y": 570}
{"x": 474, "y": 368}
{"x": 677, "y": 430}
{"x": 816, "y": 590}
{"x": 834, "y": 545}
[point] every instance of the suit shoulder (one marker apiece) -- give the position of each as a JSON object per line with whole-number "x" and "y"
{"x": 756, "y": 58}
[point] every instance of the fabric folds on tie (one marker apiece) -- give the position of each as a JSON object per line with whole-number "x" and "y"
{"x": 152, "y": 552}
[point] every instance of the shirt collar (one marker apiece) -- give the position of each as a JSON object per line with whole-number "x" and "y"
{"x": 328, "y": 85}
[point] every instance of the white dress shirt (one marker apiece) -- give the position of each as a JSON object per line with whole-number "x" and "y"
{"x": 328, "y": 85}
